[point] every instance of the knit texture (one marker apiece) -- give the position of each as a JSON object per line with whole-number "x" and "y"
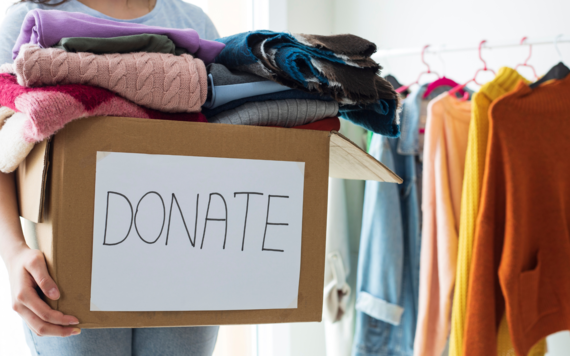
{"x": 283, "y": 113}
{"x": 281, "y": 95}
{"x": 46, "y": 110}
{"x": 444, "y": 165}
{"x": 521, "y": 253}
{"x": 505, "y": 81}
{"x": 5, "y": 113}
{"x": 505, "y": 344}
{"x": 13, "y": 148}
{"x": 159, "y": 81}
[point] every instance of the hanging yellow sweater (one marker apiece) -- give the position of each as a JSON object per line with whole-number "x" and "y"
{"x": 505, "y": 81}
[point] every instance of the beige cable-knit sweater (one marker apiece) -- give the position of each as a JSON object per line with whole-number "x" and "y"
{"x": 159, "y": 81}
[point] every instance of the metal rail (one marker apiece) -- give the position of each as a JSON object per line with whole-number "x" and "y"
{"x": 399, "y": 52}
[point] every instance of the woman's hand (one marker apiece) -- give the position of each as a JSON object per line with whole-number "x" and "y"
{"x": 27, "y": 270}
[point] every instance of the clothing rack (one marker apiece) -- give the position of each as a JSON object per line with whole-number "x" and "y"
{"x": 399, "y": 52}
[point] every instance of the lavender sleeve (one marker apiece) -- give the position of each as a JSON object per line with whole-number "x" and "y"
{"x": 46, "y": 28}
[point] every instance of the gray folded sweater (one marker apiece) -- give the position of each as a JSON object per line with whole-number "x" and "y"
{"x": 283, "y": 113}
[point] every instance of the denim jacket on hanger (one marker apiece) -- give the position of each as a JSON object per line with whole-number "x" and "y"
{"x": 389, "y": 257}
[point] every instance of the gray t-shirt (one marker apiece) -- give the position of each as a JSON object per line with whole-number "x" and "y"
{"x": 166, "y": 13}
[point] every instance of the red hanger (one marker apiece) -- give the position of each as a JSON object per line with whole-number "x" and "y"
{"x": 525, "y": 64}
{"x": 442, "y": 82}
{"x": 474, "y": 80}
{"x": 429, "y": 71}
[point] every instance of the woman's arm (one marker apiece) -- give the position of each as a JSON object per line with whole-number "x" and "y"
{"x": 27, "y": 270}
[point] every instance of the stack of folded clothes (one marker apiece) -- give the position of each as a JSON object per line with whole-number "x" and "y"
{"x": 69, "y": 66}
{"x": 265, "y": 77}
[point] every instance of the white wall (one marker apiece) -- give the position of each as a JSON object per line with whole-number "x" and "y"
{"x": 311, "y": 16}
{"x": 414, "y": 23}
{"x": 12, "y": 341}
{"x": 229, "y": 16}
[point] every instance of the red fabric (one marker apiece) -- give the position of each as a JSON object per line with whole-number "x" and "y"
{"x": 89, "y": 96}
{"x": 330, "y": 124}
{"x": 50, "y": 108}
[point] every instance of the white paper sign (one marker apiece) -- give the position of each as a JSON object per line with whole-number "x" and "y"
{"x": 175, "y": 233}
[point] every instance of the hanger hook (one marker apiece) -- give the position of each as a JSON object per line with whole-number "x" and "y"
{"x": 440, "y": 49}
{"x": 424, "y": 60}
{"x": 556, "y": 39}
{"x": 484, "y": 69}
{"x": 481, "y": 56}
{"x": 529, "y": 51}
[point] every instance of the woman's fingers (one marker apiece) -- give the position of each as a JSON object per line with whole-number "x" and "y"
{"x": 29, "y": 271}
{"x": 36, "y": 265}
{"x": 42, "y": 328}
{"x": 31, "y": 300}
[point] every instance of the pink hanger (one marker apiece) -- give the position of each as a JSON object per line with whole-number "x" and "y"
{"x": 441, "y": 82}
{"x": 474, "y": 80}
{"x": 404, "y": 88}
{"x": 525, "y": 64}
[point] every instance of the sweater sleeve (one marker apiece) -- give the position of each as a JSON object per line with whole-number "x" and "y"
{"x": 10, "y": 29}
{"x": 485, "y": 301}
{"x": 424, "y": 337}
{"x": 439, "y": 240}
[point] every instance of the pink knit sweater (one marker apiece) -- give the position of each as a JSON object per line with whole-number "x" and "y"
{"x": 41, "y": 112}
{"x": 159, "y": 81}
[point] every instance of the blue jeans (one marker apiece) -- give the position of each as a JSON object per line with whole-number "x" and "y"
{"x": 388, "y": 264}
{"x": 195, "y": 341}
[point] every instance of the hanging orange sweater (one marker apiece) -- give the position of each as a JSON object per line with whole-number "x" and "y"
{"x": 507, "y": 80}
{"x": 521, "y": 260}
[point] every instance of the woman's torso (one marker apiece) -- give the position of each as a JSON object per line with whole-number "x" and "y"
{"x": 166, "y": 13}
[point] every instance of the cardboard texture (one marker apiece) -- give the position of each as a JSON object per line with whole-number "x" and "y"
{"x": 348, "y": 161}
{"x": 32, "y": 174}
{"x": 65, "y": 208}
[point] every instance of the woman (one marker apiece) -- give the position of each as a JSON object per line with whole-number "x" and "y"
{"x": 49, "y": 332}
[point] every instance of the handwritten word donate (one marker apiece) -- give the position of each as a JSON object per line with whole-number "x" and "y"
{"x": 178, "y": 233}
{"x": 159, "y": 207}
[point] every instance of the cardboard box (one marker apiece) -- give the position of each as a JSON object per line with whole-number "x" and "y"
{"x": 56, "y": 190}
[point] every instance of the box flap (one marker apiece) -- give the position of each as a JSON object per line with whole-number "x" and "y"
{"x": 348, "y": 161}
{"x": 31, "y": 178}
